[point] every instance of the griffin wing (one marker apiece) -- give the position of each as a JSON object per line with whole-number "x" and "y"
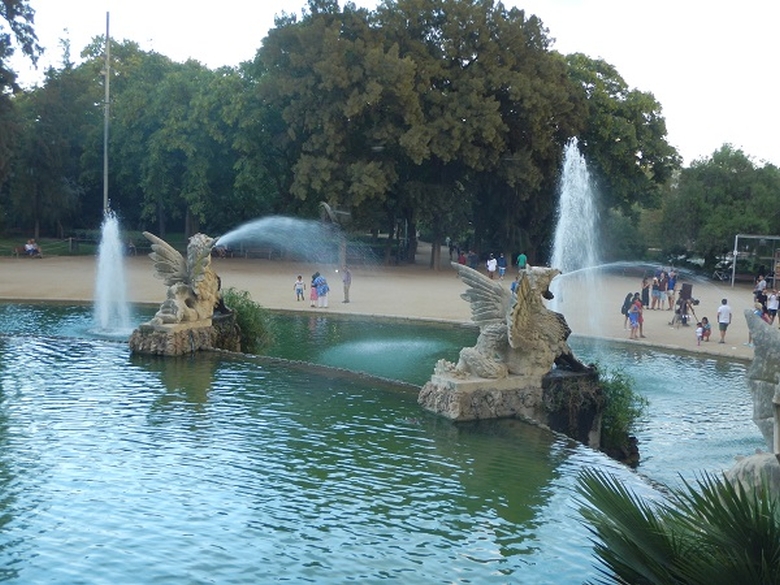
{"x": 198, "y": 258}
{"x": 169, "y": 264}
{"x": 519, "y": 318}
{"x": 489, "y": 301}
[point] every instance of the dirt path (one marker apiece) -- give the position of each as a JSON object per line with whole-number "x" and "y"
{"x": 411, "y": 291}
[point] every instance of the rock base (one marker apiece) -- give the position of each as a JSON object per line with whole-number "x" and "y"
{"x": 568, "y": 402}
{"x": 185, "y": 338}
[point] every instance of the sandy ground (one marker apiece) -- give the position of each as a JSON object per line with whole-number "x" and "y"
{"x": 411, "y": 291}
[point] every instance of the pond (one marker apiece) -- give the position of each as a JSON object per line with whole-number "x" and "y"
{"x": 231, "y": 469}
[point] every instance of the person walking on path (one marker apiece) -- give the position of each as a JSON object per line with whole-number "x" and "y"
{"x": 346, "y": 279}
{"x": 724, "y": 319}
{"x": 522, "y": 261}
{"x": 492, "y": 264}
{"x": 501, "y": 266}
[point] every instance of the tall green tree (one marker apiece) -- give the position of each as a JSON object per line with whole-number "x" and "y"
{"x": 16, "y": 31}
{"x": 716, "y": 198}
{"x": 46, "y": 189}
{"x": 625, "y": 139}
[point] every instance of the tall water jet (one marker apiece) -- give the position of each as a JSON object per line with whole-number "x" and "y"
{"x": 576, "y": 245}
{"x": 112, "y": 313}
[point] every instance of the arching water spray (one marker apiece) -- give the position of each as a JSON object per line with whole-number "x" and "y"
{"x": 112, "y": 313}
{"x": 576, "y": 245}
{"x": 302, "y": 239}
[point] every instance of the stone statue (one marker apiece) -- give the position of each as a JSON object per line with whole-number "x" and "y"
{"x": 509, "y": 372}
{"x": 764, "y": 375}
{"x": 762, "y": 469}
{"x": 518, "y": 334}
{"x": 193, "y": 286}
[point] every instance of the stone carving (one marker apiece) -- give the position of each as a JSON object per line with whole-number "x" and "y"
{"x": 509, "y": 372}
{"x": 186, "y": 321}
{"x": 518, "y": 334}
{"x": 762, "y": 470}
{"x": 764, "y": 375}
{"x": 193, "y": 286}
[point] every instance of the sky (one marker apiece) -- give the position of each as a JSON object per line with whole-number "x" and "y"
{"x": 710, "y": 64}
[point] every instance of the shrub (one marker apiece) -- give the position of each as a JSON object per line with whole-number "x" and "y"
{"x": 252, "y": 318}
{"x": 705, "y": 534}
{"x": 623, "y": 407}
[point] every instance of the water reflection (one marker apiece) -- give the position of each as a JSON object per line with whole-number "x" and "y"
{"x": 225, "y": 469}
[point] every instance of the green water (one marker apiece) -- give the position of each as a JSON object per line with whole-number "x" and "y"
{"x": 217, "y": 469}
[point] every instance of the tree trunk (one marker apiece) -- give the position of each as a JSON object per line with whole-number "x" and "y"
{"x": 435, "y": 254}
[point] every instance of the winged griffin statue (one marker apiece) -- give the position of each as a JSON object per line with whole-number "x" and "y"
{"x": 193, "y": 286}
{"x": 518, "y": 334}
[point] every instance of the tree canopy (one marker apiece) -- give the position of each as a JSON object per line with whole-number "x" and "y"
{"x": 444, "y": 116}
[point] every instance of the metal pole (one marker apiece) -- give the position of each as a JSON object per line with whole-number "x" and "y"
{"x": 105, "y": 123}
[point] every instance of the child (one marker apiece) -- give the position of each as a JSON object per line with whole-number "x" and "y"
{"x": 633, "y": 318}
{"x": 313, "y": 292}
{"x": 706, "y": 329}
{"x": 299, "y": 287}
{"x": 699, "y": 332}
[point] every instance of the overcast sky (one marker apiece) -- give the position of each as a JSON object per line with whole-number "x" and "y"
{"x": 710, "y": 64}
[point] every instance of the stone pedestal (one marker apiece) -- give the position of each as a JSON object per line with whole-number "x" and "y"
{"x": 568, "y": 402}
{"x": 185, "y": 338}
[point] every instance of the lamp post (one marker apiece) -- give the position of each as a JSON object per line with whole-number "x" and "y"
{"x": 105, "y": 123}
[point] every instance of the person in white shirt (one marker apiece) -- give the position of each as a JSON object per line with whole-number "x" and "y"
{"x": 724, "y": 319}
{"x": 492, "y": 264}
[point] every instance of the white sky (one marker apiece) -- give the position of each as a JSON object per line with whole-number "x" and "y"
{"x": 710, "y": 64}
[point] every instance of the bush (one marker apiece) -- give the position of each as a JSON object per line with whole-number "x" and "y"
{"x": 623, "y": 407}
{"x": 252, "y": 318}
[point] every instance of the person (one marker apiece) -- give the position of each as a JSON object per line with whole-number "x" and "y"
{"x": 663, "y": 285}
{"x": 522, "y": 261}
{"x": 501, "y": 266}
{"x": 346, "y": 279}
{"x": 706, "y": 329}
{"x": 313, "y": 290}
{"x": 760, "y": 287}
{"x": 646, "y": 292}
{"x": 670, "y": 284}
{"x": 473, "y": 259}
{"x": 656, "y": 295}
{"x": 724, "y": 319}
{"x": 492, "y": 264}
{"x": 627, "y": 302}
{"x": 299, "y": 286}
{"x": 772, "y": 304}
{"x": 323, "y": 289}
{"x": 699, "y": 332}
{"x": 633, "y": 320}
{"x": 637, "y": 302}
{"x": 515, "y": 284}
{"x": 462, "y": 258}
{"x": 32, "y": 249}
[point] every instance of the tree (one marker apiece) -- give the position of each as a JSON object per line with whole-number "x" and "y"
{"x": 716, "y": 198}
{"x": 624, "y": 141}
{"x": 16, "y": 28}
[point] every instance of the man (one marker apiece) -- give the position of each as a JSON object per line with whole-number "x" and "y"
{"x": 724, "y": 319}
{"x": 522, "y": 261}
{"x": 492, "y": 264}
{"x": 346, "y": 278}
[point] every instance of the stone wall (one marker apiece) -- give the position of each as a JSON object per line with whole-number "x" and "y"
{"x": 567, "y": 402}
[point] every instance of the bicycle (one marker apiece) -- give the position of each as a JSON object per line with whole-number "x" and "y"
{"x": 720, "y": 275}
